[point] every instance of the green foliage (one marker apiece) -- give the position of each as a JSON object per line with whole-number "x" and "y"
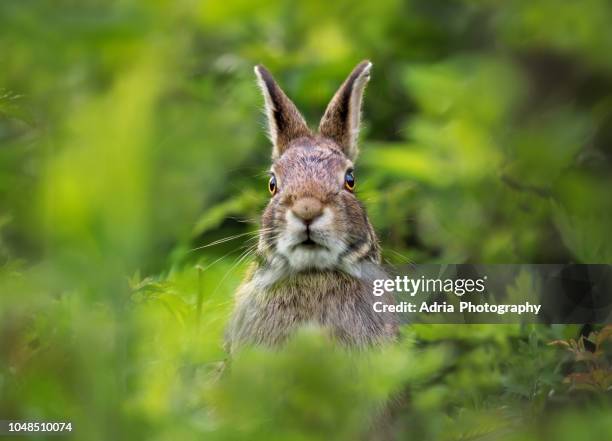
{"x": 595, "y": 373}
{"x": 131, "y": 138}
{"x": 314, "y": 390}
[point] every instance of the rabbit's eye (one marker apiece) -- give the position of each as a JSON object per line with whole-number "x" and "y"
{"x": 349, "y": 180}
{"x": 272, "y": 185}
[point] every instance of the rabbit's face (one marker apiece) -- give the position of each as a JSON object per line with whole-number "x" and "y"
{"x": 313, "y": 220}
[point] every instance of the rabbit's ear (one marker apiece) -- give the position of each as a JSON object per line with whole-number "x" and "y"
{"x": 341, "y": 119}
{"x": 285, "y": 123}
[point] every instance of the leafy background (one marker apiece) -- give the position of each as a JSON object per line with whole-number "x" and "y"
{"x": 131, "y": 136}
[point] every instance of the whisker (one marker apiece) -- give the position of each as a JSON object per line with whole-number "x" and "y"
{"x": 223, "y": 240}
{"x": 220, "y": 258}
{"x": 247, "y": 220}
{"x": 406, "y": 259}
{"x": 242, "y": 257}
{"x": 229, "y": 238}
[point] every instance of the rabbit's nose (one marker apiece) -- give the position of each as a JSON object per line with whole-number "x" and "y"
{"x": 307, "y": 209}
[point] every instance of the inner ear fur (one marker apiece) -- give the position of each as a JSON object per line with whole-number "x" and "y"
{"x": 341, "y": 120}
{"x": 285, "y": 122}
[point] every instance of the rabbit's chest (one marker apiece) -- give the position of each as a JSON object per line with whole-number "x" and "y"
{"x": 270, "y": 318}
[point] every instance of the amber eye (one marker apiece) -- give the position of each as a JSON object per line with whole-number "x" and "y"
{"x": 272, "y": 185}
{"x": 349, "y": 180}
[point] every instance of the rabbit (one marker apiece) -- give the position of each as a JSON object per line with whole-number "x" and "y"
{"x": 317, "y": 254}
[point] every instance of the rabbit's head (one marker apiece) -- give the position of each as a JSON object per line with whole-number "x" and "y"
{"x": 313, "y": 220}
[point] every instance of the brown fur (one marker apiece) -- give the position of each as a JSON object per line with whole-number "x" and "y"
{"x": 278, "y": 295}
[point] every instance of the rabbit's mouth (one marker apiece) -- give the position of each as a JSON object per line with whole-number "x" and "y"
{"x": 308, "y": 252}
{"x": 310, "y": 246}
{"x": 309, "y": 243}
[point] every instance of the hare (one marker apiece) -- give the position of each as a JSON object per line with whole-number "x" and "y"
{"x": 317, "y": 254}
